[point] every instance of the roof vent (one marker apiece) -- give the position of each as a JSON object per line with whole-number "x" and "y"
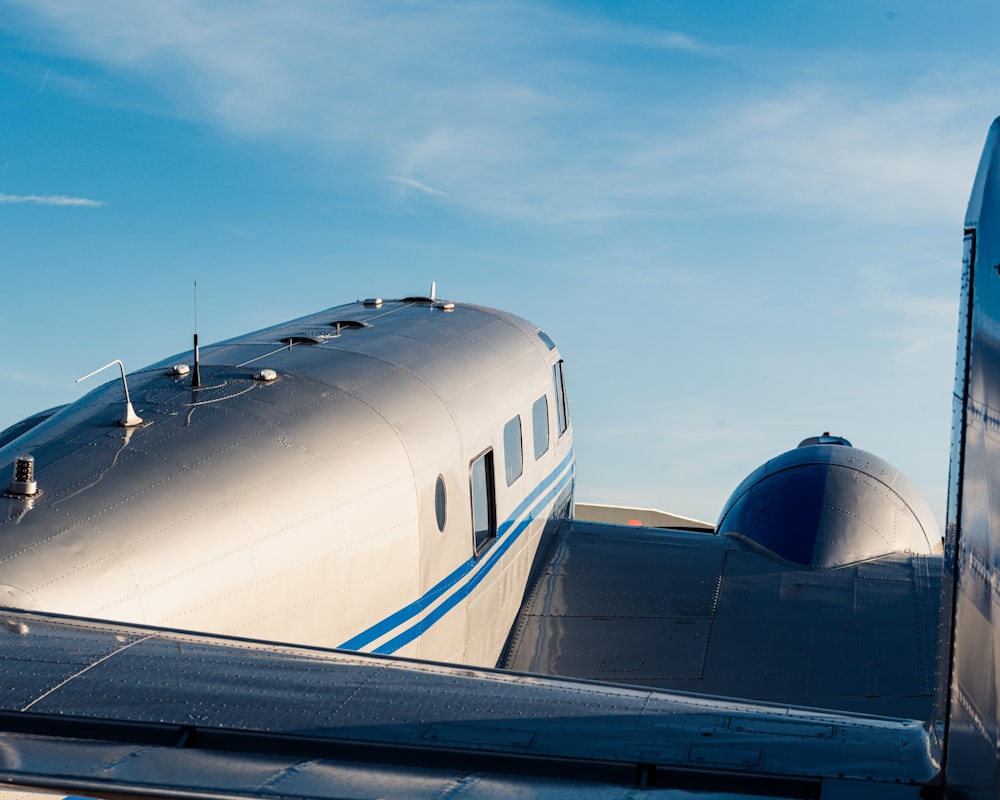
{"x": 266, "y": 375}
{"x": 348, "y": 324}
{"x": 23, "y": 483}
{"x": 300, "y": 338}
{"x": 179, "y": 369}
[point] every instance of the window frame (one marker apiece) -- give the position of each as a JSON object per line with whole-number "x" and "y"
{"x": 481, "y": 545}
{"x": 562, "y": 408}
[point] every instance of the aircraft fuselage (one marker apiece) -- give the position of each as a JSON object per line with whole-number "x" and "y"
{"x": 375, "y": 476}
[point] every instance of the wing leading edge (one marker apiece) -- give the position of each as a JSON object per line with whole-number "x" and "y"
{"x": 108, "y": 709}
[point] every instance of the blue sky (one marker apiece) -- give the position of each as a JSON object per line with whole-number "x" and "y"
{"x": 741, "y": 222}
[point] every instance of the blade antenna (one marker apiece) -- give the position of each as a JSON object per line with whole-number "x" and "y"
{"x": 196, "y": 372}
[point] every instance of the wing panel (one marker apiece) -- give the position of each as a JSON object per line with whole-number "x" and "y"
{"x": 634, "y": 572}
{"x": 239, "y": 717}
{"x": 696, "y": 612}
{"x": 615, "y": 649}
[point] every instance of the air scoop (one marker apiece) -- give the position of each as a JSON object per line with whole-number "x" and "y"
{"x": 828, "y": 504}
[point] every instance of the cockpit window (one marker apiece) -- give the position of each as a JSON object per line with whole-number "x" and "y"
{"x": 545, "y": 338}
{"x": 562, "y": 411}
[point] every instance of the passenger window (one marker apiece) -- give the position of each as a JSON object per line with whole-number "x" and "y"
{"x": 562, "y": 412}
{"x": 484, "y": 514}
{"x": 440, "y": 503}
{"x": 540, "y": 425}
{"x": 512, "y": 458}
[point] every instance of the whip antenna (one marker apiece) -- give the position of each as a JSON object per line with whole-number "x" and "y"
{"x": 131, "y": 419}
{"x": 196, "y": 372}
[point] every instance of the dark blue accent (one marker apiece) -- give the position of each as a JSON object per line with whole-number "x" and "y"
{"x": 779, "y": 504}
{"x": 501, "y": 544}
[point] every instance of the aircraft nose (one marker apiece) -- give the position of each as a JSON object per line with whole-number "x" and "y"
{"x": 12, "y": 597}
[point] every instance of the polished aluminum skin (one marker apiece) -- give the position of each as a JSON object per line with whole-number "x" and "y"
{"x": 118, "y": 709}
{"x": 693, "y": 612}
{"x": 971, "y": 707}
{"x": 829, "y": 505}
{"x": 296, "y": 494}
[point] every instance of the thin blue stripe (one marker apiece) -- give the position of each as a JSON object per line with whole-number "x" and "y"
{"x": 420, "y": 627}
{"x": 409, "y": 611}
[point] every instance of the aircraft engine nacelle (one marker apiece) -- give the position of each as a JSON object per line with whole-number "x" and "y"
{"x": 828, "y": 504}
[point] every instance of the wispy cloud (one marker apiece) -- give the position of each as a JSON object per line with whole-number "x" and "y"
{"x": 50, "y": 200}
{"x": 675, "y": 40}
{"x": 521, "y": 110}
{"x": 413, "y": 184}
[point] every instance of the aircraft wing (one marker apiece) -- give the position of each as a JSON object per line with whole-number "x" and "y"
{"x": 122, "y": 711}
{"x": 715, "y": 614}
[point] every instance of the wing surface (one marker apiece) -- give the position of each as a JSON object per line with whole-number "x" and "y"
{"x": 697, "y": 612}
{"x": 114, "y": 710}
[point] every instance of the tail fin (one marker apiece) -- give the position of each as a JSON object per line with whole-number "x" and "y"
{"x": 971, "y": 698}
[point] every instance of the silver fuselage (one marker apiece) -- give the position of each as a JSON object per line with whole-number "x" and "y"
{"x": 306, "y": 508}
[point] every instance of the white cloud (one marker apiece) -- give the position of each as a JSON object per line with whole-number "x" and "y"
{"x": 50, "y": 200}
{"x": 414, "y": 184}
{"x": 511, "y": 109}
{"x": 675, "y": 40}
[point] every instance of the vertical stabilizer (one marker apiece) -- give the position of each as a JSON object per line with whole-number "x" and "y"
{"x": 972, "y": 556}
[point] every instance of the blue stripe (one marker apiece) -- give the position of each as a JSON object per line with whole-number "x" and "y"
{"x": 498, "y": 551}
{"x": 503, "y": 542}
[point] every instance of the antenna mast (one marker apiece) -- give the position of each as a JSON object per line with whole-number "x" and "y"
{"x": 196, "y": 372}
{"x": 131, "y": 419}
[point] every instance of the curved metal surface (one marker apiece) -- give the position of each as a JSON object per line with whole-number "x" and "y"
{"x": 700, "y": 613}
{"x": 300, "y": 509}
{"x": 972, "y": 709}
{"x": 828, "y": 505}
{"x": 112, "y": 708}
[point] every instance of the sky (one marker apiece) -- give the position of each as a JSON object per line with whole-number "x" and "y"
{"x": 740, "y": 222}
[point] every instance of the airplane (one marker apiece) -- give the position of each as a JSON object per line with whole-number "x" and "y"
{"x": 367, "y": 515}
{"x": 339, "y": 481}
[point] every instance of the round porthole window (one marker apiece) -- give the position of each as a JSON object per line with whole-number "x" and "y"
{"x": 440, "y": 503}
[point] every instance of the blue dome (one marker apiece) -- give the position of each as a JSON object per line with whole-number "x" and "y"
{"x": 830, "y": 504}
